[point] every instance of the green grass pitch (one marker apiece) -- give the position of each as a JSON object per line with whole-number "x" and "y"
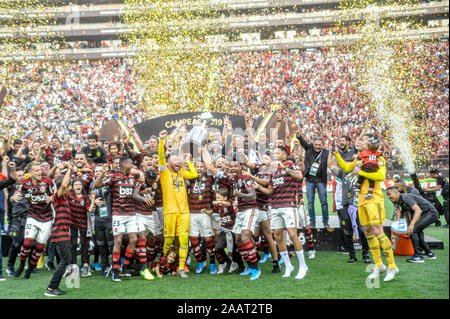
{"x": 329, "y": 276}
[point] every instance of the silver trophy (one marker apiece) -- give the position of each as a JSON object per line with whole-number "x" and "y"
{"x": 197, "y": 136}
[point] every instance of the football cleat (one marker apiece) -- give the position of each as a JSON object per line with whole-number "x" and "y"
{"x": 376, "y": 271}
{"x": 288, "y": 272}
{"x": 115, "y": 275}
{"x": 233, "y": 267}
{"x": 264, "y": 258}
{"x": 246, "y": 272}
{"x": 212, "y": 269}
{"x": 390, "y": 274}
{"x": 256, "y": 273}
{"x": 147, "y": 274}
{"x": 200, "y": 267}
{"x": 301, "y": 272}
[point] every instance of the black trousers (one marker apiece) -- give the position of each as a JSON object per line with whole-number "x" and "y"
{"x": 445, "y": 207}
{"x": 418, "y": 237}
{"x": 347, "y": 231}
{"x": 105, "y": 239}
{"x": 74, "y": 234}
{"x": 222, "y": 244}
{"x": 18, "y": 231}
{"x": 63, "y": 249}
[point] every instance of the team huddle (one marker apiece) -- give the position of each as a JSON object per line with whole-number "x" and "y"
{"x": 148, "y": 211}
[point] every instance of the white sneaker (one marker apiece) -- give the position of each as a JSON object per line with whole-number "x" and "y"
{"x": 233, "y": 267}
{"x": 302, "y": 272}
{"x": 311, "y": 254}
{"x": 220, "y": 268}
{"x": 288, "y": 271}
{"x": 390, "y": 274}
{"x": 377, "y": 271}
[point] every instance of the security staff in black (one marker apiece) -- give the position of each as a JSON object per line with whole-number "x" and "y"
{"x": 316, "y": 158}
{"x": 430, "y": 193}
{"x": 103, "y": 225}
{"x": 423, "y": 214}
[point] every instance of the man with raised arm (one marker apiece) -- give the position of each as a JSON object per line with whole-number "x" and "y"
{"x": 175, "y": 201}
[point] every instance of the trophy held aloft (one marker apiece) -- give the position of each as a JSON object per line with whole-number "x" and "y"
{"x": 198, "y": 136}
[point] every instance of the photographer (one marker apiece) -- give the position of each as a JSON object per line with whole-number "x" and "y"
{"x": 430, "y": 193}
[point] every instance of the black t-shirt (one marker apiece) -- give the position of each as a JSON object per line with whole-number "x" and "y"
{"x": 407, "y": 201}
{"x": 20, "y": 163}
{"x": 412, "y": 190}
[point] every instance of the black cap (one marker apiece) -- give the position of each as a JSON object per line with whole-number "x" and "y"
{"x": 17, "y": 141}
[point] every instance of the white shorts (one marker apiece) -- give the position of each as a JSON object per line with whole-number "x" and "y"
{"x": 201, "y": 225}
{"x": 39, "y": 231}
{"x": 283, "y": 218}
{"x": 124, "y": 224}
{"x": 262, "y": 216}
{"x": 146, "y": 223}
{"x": 303, "y": 218}
{"x": 245, "y": 220}
{"x": 215, "y": 219}
{"x": 159, "y": 221}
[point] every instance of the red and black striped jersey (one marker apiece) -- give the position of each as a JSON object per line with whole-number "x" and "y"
{"x": 285, "y": 188}
{"x": 141, "y": 208}
{"x": 79, "y": 210}
{"x": 36, "y": 194}
{"x": 300, "y": 190}
{"x": 61, "y": 225}
{"x": 111, "y": 158}
{"x": 164, "y": 267}
{"x": 227, "y": 215}
{"x": 54, "y": 158}
{"x": 200, "y": 194}
{"x": 158, "y": 196}
{"x": 261, "y": 198}
{"x": 244, "y": 184}
{"x": 121, "y": 193}
{"x": 86, "y": 179}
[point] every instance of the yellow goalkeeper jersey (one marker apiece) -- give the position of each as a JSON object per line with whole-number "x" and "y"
{"x": 378, "y": 177}
{"x": 173, "y": 185}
